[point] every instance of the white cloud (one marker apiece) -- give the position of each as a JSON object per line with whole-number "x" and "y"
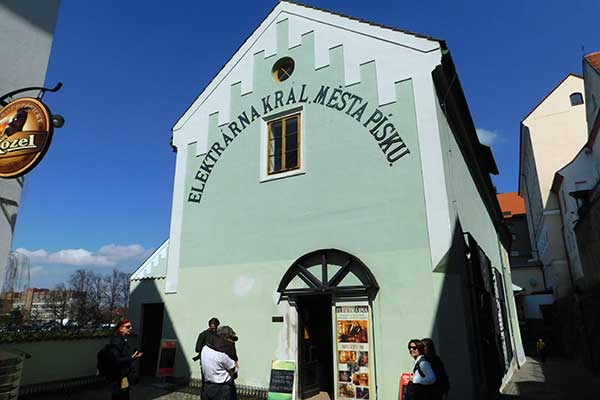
{"x": 36, "y": 271}
{"x": 120, "y": 253}
{"x": 107, "y": 256}
{"x": 486, "y": 136}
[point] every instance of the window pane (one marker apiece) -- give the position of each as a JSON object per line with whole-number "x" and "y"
{"x": 275, "y": 163}
{"x": 291, "y": 125}
{"x": 291, "y": 142}
{"x": 291, "y": 159}
{"x": 275, "y": 146}
{"x": 276, "y": 130}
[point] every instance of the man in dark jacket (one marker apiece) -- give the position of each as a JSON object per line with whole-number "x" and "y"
{"x": 207, "y": 336}
{"x": 219, "y": 369}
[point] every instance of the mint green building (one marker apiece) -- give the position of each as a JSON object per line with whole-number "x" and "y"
{"x": 332, "y": 202}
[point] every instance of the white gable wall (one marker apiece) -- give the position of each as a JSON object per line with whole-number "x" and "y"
{"x": 362, "y": 43}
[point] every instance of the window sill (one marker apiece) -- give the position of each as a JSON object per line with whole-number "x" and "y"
{"x": 287, "y": 174}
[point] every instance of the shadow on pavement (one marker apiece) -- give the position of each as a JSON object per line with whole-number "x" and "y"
{"x": 556, "y": 379}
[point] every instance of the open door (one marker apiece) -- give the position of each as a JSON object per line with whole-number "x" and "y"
{"x": 315, "y": 363}
{"x": 152, "y": 321}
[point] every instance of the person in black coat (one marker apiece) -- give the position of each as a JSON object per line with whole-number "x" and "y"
{"x": 206, "y": 336}
{"x": 442, "y": 385}
{"x": 123, "y": 360}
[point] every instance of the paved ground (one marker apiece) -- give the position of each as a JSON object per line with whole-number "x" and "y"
{"x": 557, "y": 379}
{"x": 146, "y": 390}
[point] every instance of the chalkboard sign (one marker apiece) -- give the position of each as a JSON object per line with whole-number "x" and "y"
{"x": 166, "y": 357}
{"x": 281, "y": 384}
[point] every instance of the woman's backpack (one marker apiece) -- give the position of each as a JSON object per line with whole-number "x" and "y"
{"x": 106, "y": 362}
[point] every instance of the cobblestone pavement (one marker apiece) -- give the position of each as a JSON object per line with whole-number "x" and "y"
{"x": 102, "y": 392}
{"x": 556, "y": 379}
{"x": 147, "y": 390}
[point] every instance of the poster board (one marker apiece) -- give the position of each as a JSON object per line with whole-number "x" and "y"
{"x": 281, "y": 383}
{"x": 166, "y": 357}
{"x": 354, "y": 372}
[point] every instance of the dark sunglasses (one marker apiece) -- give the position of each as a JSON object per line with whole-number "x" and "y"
{"x": 412, "y": 348}
{"x": 127, "y": 326}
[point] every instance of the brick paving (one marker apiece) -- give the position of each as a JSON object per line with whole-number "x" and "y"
{"x": 557, "y": 379}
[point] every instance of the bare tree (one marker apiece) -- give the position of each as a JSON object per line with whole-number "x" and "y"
{"x": 117, "y": 293}
{"x": 87, "y": 304}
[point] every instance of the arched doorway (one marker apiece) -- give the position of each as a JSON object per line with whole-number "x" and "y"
{"x": 313, "y": 284}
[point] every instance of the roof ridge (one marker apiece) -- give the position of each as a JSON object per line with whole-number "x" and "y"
{"x": 550, "y": 93}
{"x": 364, "y": 21}
{"x": 593, "y": 59}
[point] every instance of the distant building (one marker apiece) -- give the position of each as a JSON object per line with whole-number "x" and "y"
{"x": 532, "y": 296}
{"x": 526, "y": 270}
{"x": 332, "y": 201}
{"x": 551, "y": 135}
{"x": 36, "y": 303}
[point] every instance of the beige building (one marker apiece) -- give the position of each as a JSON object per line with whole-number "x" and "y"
{"x": 551, "y": 135}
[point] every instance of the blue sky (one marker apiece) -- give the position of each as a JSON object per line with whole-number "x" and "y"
{"x": 101, "y": 197}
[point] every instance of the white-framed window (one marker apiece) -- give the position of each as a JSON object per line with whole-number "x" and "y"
{"x": 282, "y": 145}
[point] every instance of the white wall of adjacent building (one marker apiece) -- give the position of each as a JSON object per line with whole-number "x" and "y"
{"x": 27, "y": 28}
{"x": 580, "y": 174}
{"x": 551, "y": 135}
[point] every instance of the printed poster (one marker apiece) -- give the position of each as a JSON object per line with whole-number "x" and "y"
{"x": 353, "y": 354}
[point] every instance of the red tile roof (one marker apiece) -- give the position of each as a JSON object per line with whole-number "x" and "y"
{"x": 594, "y": 60}
{"x": 511, "y": 204}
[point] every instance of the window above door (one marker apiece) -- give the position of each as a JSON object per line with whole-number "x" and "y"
{"x": 282, "y": 146}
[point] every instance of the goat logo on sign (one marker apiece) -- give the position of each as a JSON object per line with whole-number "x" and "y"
{"x": 25, "y": 134}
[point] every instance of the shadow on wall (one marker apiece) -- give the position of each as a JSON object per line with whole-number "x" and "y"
{"x": 34, "y": 12}
{"x": 466, "y": 327}
{"x": 151, "y": 319}
{"x": 578, "y": 318}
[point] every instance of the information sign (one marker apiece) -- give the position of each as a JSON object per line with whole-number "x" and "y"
{"x": 281, "y": 384}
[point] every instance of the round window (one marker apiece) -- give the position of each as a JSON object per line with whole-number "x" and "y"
{"x": 283, "y": 69}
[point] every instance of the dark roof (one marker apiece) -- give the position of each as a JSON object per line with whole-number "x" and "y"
{"x": 367, "y": 22}
{"x": 594, "y": 60}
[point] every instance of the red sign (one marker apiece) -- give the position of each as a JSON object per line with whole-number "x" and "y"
{"x": 404, "y": 380}
{"x": 166, "y": 357}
